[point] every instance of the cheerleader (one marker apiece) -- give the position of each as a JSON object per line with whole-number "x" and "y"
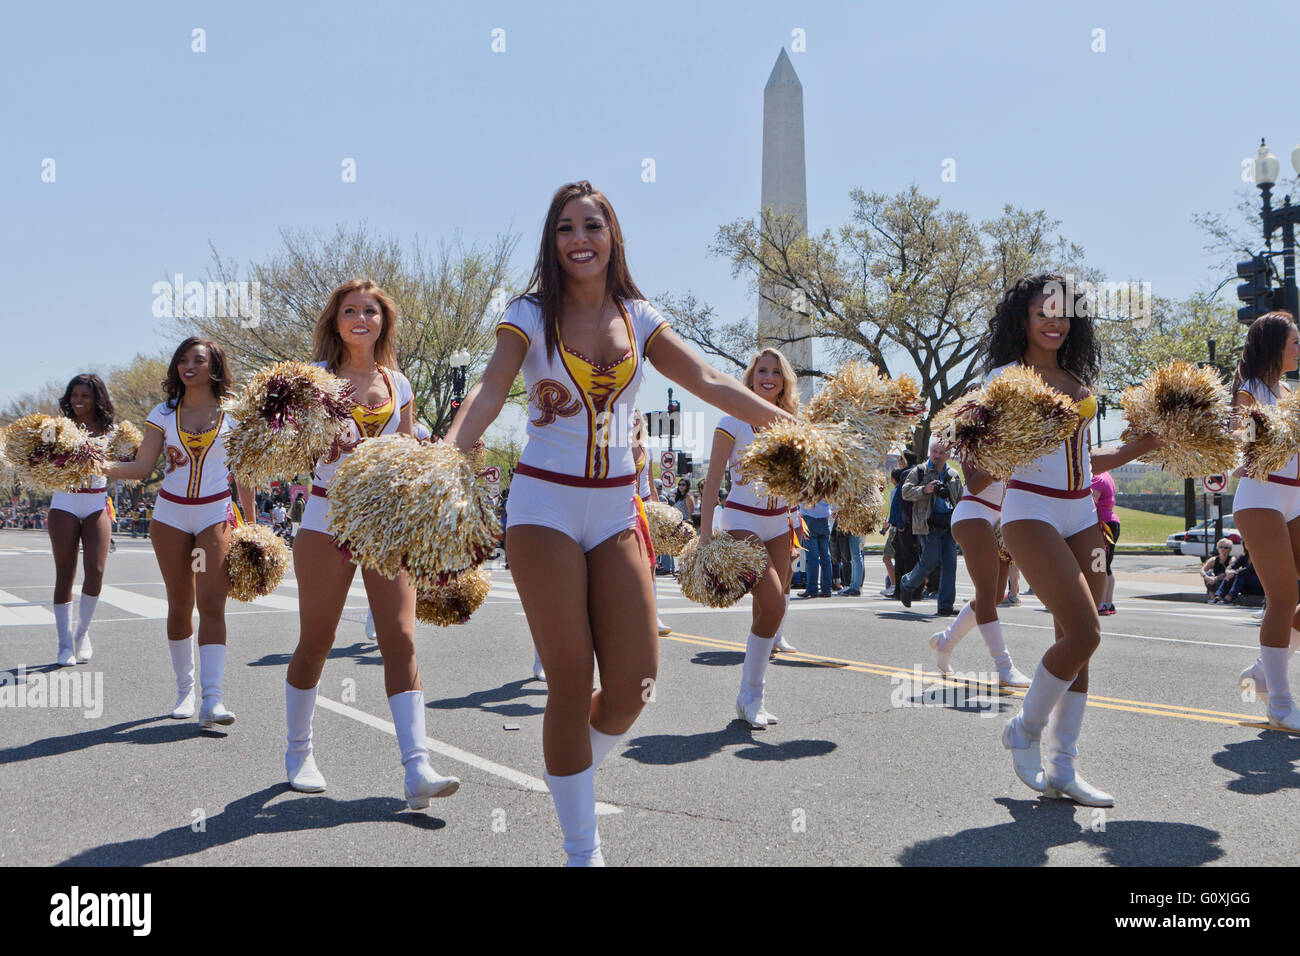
{"x": 765, "y": 519}
{"x": 80, "y": 520}
{"x": 581, "y": 335}
{"x": 1267, "y": 512}
{"x": 354, "y": 340}
{"x": 973, "y": 520}
{"x": 1050, "y": 526}
{"x": 192, "y": 521}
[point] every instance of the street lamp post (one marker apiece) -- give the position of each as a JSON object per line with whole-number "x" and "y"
{"x": 459, "y": 362}
{"x": 1283, "y": 218}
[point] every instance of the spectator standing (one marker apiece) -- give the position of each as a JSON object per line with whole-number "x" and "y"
{"x": 933, "y": 490}
{"x": 817, "y": 550}
{"x": 1103, "y": 493}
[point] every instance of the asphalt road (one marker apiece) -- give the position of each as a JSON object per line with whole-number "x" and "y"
{"x": 866, "y": 766}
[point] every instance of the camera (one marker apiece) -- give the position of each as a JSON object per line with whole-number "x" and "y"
{"x": 942, "y": 491}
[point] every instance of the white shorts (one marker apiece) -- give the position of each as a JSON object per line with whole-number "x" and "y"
{"x": 79, "y": 504}
{"x": 192, "y": 518}
{"x": 1267, "y": 494}
{"x": 315, "y": 517}
{"x": 1068, "y": 516}
{"x": 767, "y": 527}
{"x": 972, "y": 506}
{"x": 587, "y": 515}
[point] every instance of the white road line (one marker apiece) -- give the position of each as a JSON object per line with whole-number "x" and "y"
{"x": 15, "y": 610}
{"x": 140, "y": 604}
{"x": 1140, "y": 637}
{"x": 516, "y": 777}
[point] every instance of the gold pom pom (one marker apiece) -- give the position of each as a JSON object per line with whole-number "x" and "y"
{"x": 256, "y": 562}
{"x": 669, "y": 531}
{"x": 1270, "y": 435}
{"x": 723, "y": 571}
{"x": 398, "y": 505}
{"x": 453, "y": 601}
{"x": 805, "y": 463}
{"x": 1010, "y": 422}
{"x": 52, "y": 453}
{"x": 1003, "y": 553}
{"x": 286, "y": 419}
{"x": 880, "y": 410}
{"x": 863, "y": 513}
{"x": 122, "y": 442}
{"x": 1191, "y": 410}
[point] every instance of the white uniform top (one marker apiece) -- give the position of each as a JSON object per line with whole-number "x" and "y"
{"x": 579, "y": 413}
{"x": 196, "y": 463}
{"x": 743, "y": 492}
{"x": 367, "y": 421}
{"x": 1068, "y": 466}
{"x": 1266, "y": 396}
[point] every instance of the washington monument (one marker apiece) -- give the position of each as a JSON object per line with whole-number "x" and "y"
{"x": 785, "y": 192}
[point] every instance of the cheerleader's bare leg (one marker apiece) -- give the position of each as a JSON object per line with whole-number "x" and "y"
{"x": 174, "y": 551}
{"x": 1068, "y": 576}
{"x": 65, "y": 535}
{"x": 778, "y": 552}
{"x": 96, "y": 532}
{"x": 988, "y": 572}
{"x": 769, "y": 611}
{"x": 1275, "y": 554}
{"x": 211, "y": 588}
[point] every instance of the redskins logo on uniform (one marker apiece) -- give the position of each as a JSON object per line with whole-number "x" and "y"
{"x": 553, "y": 401}
{"x": 176, "y": 458}
{"x": 344, "y": 444}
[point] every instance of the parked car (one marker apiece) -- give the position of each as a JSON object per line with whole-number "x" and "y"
{"x": 1199, "y": 541}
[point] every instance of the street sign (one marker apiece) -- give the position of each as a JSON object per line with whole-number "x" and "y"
{"x": 667, "y": 477}
{"x": 492, "y": 475}
{"x": 667, "y": 460}
{"x": 1215, "y": 483}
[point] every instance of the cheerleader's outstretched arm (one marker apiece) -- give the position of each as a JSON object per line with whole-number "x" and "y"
{"x": 486, "y": 399}
{"x": 145, "y": 458}
{"x": 1107, "y": 460}
{"x": 684, "y": 366}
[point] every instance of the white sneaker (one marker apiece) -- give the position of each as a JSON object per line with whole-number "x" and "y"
{"x": 215, "y": 713}
{"x": 886, "y": 592}
{"x": 1080, "y": 791}
{"x": 751, "y": 711}
{"x": 1013, "y": 678}
{"x": 83, "y": 647}
{"x": 423, "y": 783}
{"x": 941, "y": 657}
{"x": 184, "y": 708}
{"x": 302, "y": 773}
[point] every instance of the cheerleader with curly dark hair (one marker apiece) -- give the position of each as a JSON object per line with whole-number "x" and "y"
{"x": 79, "y": 520}
{"x": 1050, "y": 526}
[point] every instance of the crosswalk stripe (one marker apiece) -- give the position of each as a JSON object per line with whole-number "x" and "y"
{"x": 140, "y": 604}
{"x": 16, "y": 610}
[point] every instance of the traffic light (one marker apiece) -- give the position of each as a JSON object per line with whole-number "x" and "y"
{"x": 1255, "y": 293}
{"x": 683, "y": 463}
{"x": 674, "y": 405}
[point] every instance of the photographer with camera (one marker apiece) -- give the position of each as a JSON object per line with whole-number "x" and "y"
{"x": 934, "y": 491}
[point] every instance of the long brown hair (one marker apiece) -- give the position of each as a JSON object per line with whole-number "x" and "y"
{"x": 789, "y": 398}
{"x": 1261, "y": 357}
{"x": 328, "y": 347}
{"x": 546, "y": 285}
{"x": 175, "y": 388}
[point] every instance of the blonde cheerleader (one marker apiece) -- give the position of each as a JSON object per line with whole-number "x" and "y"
{"x": 79, "y": 520}
{"x": 1267, "y": 510}
{"x": 192, "y": 517}
{"x": 354, "y": 340}
{"x": 763, "y": 518}
{"x": 581, "y": 335}
{"x": 1050, "y": 526}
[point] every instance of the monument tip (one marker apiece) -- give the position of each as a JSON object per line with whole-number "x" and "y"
{"x": 783, "y": 73}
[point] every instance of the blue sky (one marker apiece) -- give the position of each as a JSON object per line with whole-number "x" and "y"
{"x": 161, "y": 151}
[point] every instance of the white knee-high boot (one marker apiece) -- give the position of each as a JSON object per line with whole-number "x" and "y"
{"x": 575, "y": 805}
{"x": 1008, "y": 675}
{"x": 63, "y": 626}
{"x": 1022, "y": 732}
{"x": 749, "y": 704}
{"x": 1282, "y": 712}
{"x": 1061, "y": 743}
{"x": 1252, "y": 678}
{"x": 422, "y": 781}
{"x": 944, "y": 641}
{"x": 299, "y": 762}
{"x": 182, "y": 653}
{"x": 212, "y": 674}
{"x": 85, "y": 613}
{"x": 601, "y": 745}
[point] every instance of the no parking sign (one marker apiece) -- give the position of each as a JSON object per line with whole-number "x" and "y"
{"x": 1215, "y": 483}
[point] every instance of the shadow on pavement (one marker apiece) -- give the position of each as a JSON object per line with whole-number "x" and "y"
{"x": 164, "y": 731}
{"x": 672, "y": 749}
{"x": 1265, "y": 764}
{"x": 1039, "y": 825}
{"x": 363, "y": 652}
{"x": 512, "y": 691}
{"x": 254, "y": 814}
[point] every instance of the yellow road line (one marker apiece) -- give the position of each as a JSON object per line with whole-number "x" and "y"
{"x": 1152, "y": 708}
